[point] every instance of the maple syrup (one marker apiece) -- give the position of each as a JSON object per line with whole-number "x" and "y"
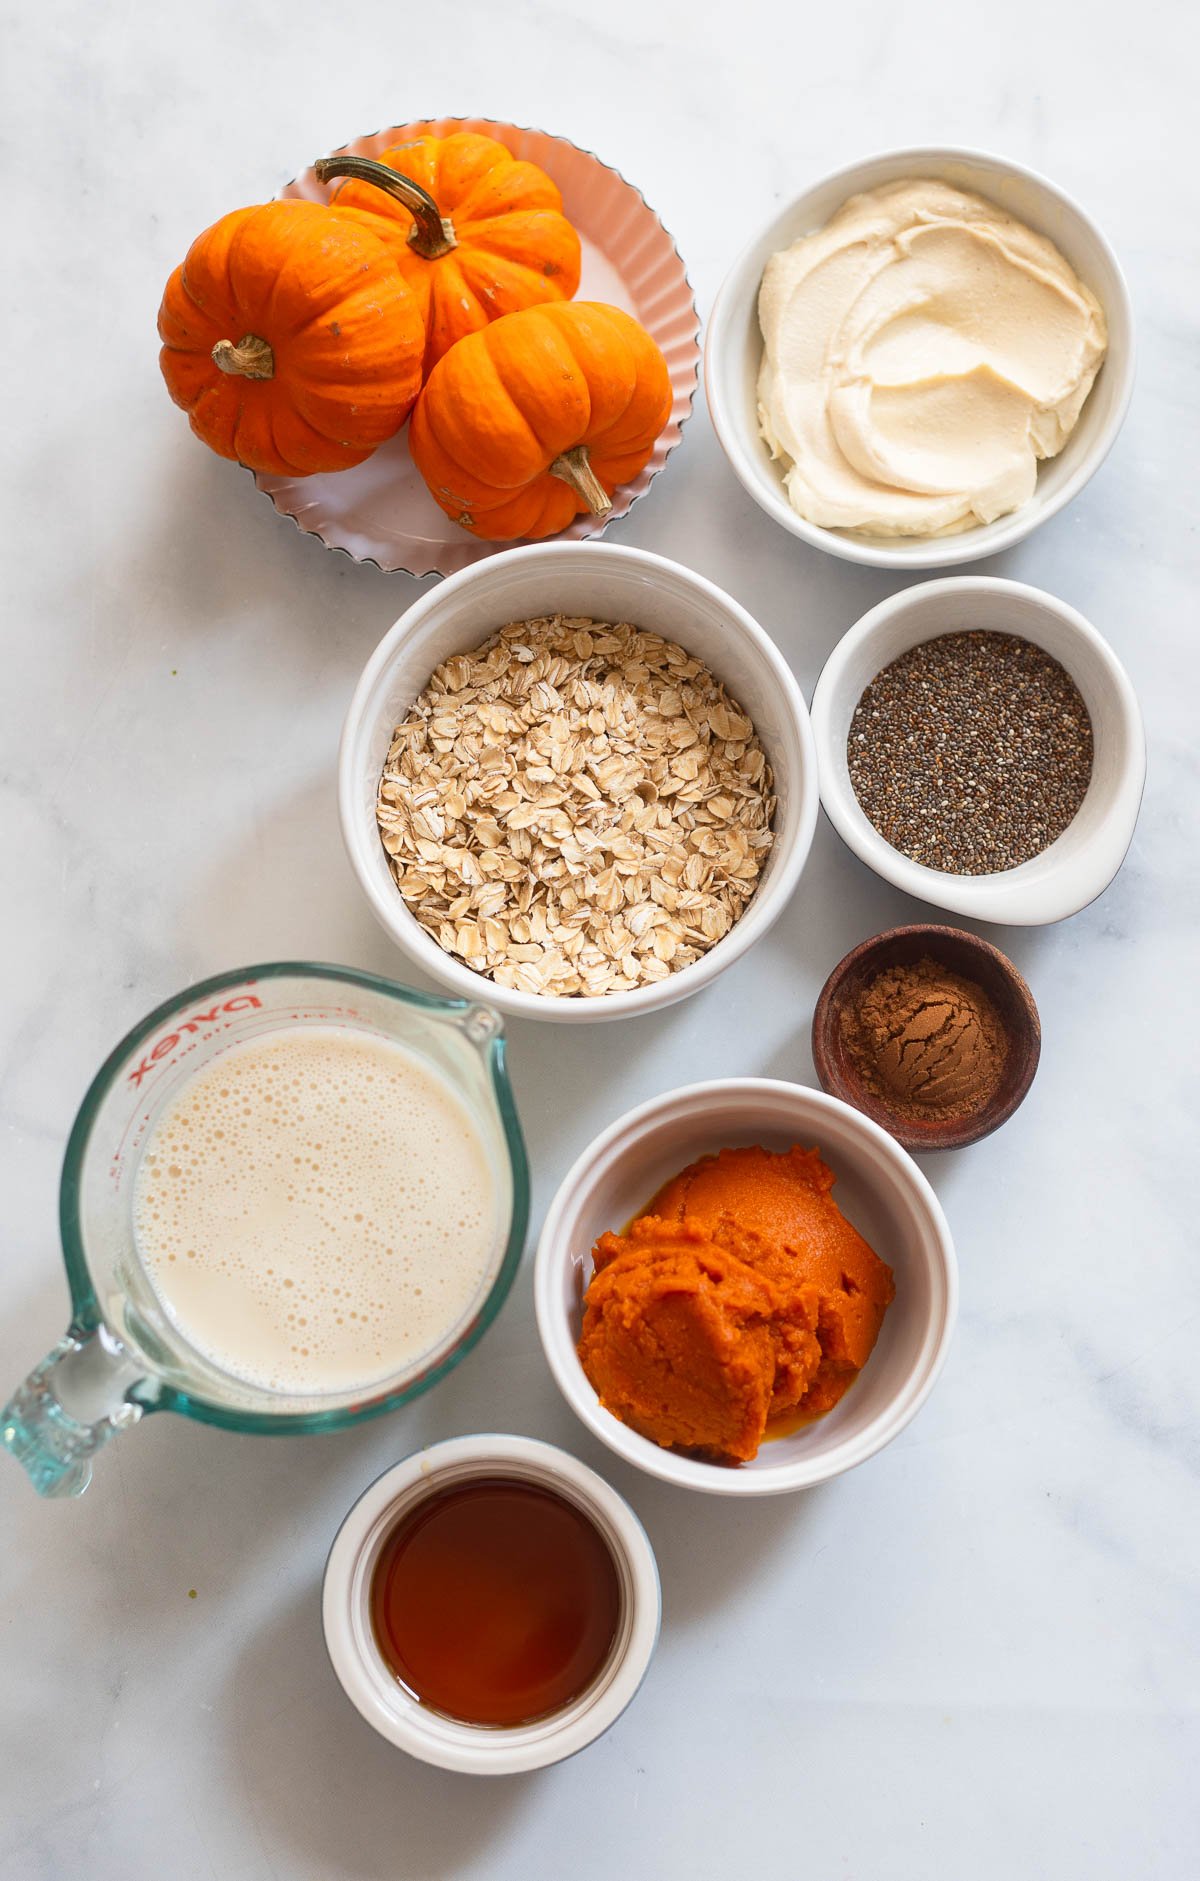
{"x": 495, "y": 1601}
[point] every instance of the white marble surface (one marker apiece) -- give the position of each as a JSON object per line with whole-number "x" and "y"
{"x": 976, "y": 1656}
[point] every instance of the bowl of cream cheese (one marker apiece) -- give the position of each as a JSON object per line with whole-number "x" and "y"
{"x": 921, "y": 358}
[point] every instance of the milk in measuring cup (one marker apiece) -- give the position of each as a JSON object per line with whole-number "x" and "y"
{"x": 316, "y": 1211}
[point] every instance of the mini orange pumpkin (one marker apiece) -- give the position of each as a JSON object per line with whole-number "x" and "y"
{"x": 290, "y": 339}
{"x": 538, "y": 417}
{"x": 477, "y": 233}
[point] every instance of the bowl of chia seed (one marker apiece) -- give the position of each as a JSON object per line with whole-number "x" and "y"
{"x": 980, "y": 746}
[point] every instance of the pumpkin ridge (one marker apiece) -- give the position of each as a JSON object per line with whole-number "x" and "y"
{"x": 425, "y": 155}
{"x": 623, "y": 435}
{"x": 543, "y": 507}
{"x": 458, "y": 204}
{"x": 301, "y": 441}
{"x": 450, "y": 295}
{"x": 191, "y": 377}
{"x": 245, "y": 424}
{"x": 490, "y": 228}
{"x": 615, "y": 468}
{"x": 437, "y": 466}
{"x": 194, "y": 325}
{"x": 391, "y": 229}
{"x": 596, "y": 314}
{"x": 596, "y": 440}
{"x": 505, "y": 286}
{"x": 285, "y": 448}
{"x": 240, "y": 262}
{"x": 498, "y": 391}
{"x": 551, "y": 503}
{"x": 471, "y": 491}
{"x": 211, "y": 295}
{"x": 539, "y": 287}
{"x": 317, "y": 304}
{"x": 355, "y": 321}
{"x": 551, "y": 447}
{"x": 530, "y": 191}
{"x": 273, "y": 435}
{"x": 323, "y": 415}
{"x": 419, "y": 278}
{"x": 202, "y": 416}
{"x": 465, "y": 160}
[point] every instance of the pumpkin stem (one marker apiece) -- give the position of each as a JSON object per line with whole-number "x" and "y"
{"x": 432, "y": 233}
{"x": 573, "y": 468}
{"x": 251, "y": 358}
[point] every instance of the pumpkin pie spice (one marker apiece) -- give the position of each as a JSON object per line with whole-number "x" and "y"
{"x": 927, "y": 1042}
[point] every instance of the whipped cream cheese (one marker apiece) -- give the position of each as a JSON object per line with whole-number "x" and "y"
{"x": 922, "y": 352}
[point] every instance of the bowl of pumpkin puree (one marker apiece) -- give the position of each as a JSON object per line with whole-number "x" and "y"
{"x": 745, "y": 1287}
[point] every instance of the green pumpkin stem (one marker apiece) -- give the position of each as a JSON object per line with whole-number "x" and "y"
{"x": 573, "y": 468}
{"x": 432, "y": 233}
{"x": 251, "y": 358}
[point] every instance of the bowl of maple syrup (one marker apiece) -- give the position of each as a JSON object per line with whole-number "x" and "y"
{"x": 491, "y": 1605}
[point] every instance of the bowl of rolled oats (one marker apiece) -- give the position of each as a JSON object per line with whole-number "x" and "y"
{"x": 577, "y": 781}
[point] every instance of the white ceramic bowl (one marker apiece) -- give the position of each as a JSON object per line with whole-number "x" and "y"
{"x": 733, "y": 350}
{"x": 879, "y": 1188}
{"x": 607, "y": 583}
{"x": 1082, "y": 862}
{"x": 374, "y": 1690}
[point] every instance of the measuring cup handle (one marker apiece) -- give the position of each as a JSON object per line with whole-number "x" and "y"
{"x": 69, "y": 1405}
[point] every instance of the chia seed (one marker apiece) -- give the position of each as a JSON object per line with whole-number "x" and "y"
{"x": 971, "y": 753}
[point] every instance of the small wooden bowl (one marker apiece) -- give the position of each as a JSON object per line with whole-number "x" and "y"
{"x": 961, "y": 953}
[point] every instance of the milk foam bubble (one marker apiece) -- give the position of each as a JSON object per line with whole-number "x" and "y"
{"x": 316, "y": 1211}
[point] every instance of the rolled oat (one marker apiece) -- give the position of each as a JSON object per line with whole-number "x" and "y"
{"x": 576, "y": 808}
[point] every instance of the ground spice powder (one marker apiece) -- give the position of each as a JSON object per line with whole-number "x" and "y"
{"x": 971, "y": 753}
{"x": 927, "y": 1042}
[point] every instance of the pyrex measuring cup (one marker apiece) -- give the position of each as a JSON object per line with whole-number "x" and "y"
{"x": 122, "y": 1355}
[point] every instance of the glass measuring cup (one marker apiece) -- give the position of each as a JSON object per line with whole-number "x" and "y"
{"x": 122, "y": 1355}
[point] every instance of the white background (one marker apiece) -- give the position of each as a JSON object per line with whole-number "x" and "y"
{"x": 976, "y": 1656}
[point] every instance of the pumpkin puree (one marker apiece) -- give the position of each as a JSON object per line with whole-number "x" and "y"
{"x": 740, "y": 1294}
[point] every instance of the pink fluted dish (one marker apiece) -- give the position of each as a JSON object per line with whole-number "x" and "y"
{"x": 380, "y": 511}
